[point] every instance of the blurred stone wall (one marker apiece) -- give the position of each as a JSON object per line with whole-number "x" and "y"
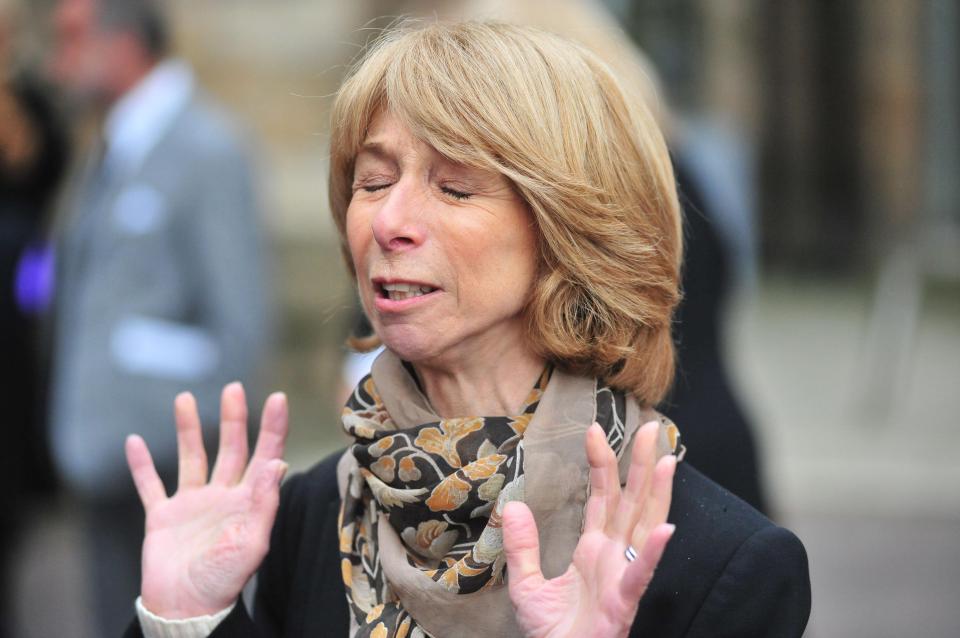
{"x": 275, "y": 64}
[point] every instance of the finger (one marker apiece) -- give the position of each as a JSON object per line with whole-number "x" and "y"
{"x": 604, "y": 480}
{"x": 658, "y": 504}
{"x": 635, "y": 495}
{"x": 232, "y": 453}
{"x": 522, "y": 547}
{"x": 266, "y": 495}
{"x": 149, "y": 486}
{"x": 639, "y": 573}
{"x": 192, "y": 456}
{"x": 272, "y": 436}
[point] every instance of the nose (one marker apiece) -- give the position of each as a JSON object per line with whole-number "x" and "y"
{"x": 398, "y": 224}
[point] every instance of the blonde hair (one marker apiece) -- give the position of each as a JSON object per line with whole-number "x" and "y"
{"x": 588, "y": 160}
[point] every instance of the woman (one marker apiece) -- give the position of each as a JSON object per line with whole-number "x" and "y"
{"x": 510, "y": 217}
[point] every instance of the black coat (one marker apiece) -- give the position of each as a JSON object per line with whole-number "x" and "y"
{"x": 727, "y": 572}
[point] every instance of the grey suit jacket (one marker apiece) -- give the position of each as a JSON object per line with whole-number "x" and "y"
{"x": 161, "y": 288}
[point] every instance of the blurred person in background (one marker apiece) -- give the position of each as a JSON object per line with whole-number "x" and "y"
{"x": 33, "y": 158}
{"x": 703, "y": 394}
{"x": 160, "y": 270}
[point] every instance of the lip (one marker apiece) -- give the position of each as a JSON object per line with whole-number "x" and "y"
{"x": 385, "y": 305}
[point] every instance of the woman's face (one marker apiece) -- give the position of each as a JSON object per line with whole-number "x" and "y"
{"x": 445, "y": 254}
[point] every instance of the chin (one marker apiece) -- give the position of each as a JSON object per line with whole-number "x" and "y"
{"x": 409, "y": 345}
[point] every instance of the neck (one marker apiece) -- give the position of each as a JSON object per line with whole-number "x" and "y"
{"x": 494, "y": 383}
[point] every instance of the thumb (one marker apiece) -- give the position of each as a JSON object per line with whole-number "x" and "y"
{"x": 522, "y": 547}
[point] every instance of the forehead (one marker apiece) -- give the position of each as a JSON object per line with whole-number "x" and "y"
{"x": 388, "y": 130}
{"x": 388, "y": 137}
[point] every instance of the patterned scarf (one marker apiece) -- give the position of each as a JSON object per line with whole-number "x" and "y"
{"x": 442, "y": 486}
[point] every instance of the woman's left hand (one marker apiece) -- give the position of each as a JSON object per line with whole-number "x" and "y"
{"x": 599, "y": 593}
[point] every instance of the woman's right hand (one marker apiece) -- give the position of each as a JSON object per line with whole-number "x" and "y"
{"x": 205, "y": 542}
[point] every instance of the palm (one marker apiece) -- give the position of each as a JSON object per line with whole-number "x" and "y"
{"x": 197, "y": 540}
{"x": 203, "y": 543}
{"x": 599, "y": 592}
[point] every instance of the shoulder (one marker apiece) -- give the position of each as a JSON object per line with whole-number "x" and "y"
{"x": 728, "y": 571}
{"x": 299, "y": 584}
{"x": 309, "y": 501}
{"x": 314, "y": 488}
{"x": 309, "y": 506}
{"x": 707, "y": 511}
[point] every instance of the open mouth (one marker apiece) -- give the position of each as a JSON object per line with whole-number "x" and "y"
{"x": 401, "y": 291}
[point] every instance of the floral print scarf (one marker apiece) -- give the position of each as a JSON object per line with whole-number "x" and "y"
{"x": 442, "y": 486}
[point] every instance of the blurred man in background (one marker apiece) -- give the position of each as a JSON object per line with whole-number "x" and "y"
{"x": 160, "y": 277}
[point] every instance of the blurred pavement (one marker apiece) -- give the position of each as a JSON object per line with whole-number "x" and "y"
{"x": 873, "y": 494}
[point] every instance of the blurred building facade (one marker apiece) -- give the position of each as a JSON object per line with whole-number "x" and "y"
{"x": 852, "y": 108}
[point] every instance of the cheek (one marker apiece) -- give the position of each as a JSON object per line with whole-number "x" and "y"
{"x": 359, "y": 238}
{"x": 359, "y": 235}
{"x": 502, "y": 270}
{"x": 523, "y": 268}
{"x": 518, "y": 277}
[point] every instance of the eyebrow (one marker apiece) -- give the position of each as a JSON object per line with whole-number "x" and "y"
{"x": 380, "y": 151}
{"x": 376, "y": 149}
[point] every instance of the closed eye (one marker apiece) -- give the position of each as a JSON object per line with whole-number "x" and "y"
{"x": 373, "y": 188}
{"x": 454, "y": 193}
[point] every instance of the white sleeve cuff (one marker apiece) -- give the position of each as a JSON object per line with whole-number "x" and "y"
{"x": 153, "y": 626}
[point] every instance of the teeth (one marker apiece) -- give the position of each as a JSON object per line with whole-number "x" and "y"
{"x": 399, "y": 292}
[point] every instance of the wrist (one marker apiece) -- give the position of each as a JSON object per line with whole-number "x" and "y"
{"x": 182, "y": 608}
{"x": 594, "y": 628}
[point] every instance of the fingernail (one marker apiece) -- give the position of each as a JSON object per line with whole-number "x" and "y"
{"x": 284, "y": 466}
{"x": 671, "y": 528}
